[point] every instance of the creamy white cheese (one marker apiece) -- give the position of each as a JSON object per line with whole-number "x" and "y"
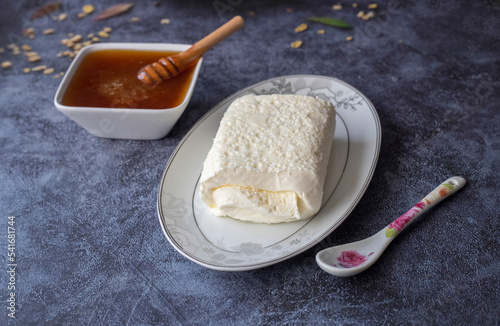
{"x": 269, "y": 158}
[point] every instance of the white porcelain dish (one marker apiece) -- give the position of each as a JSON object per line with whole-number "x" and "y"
{"x": 232, "y": 245}
{"x": 126, "y": 123}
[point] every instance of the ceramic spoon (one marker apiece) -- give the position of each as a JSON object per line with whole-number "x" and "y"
{"x": 353, "y": 258}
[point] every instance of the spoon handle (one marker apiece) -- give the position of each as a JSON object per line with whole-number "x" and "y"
{"x": 444, "y": 190}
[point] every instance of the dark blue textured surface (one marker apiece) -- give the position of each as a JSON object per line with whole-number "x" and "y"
{"x": 90, "y": 249}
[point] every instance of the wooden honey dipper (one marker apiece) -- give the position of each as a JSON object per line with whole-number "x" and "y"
{"x": 166, "y": 68}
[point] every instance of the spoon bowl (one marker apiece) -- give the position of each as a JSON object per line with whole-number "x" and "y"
{"x": 353, "y": 258}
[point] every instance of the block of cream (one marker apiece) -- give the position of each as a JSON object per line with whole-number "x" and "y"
{"x": 269, "y": 158}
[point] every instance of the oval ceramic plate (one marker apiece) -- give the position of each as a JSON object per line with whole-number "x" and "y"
{"x": 224, "y": 243}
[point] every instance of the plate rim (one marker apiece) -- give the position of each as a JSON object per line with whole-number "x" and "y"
{"x": 321, "y": 235}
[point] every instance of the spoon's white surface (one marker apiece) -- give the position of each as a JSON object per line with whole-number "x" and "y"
{"x": 353, "y": 258}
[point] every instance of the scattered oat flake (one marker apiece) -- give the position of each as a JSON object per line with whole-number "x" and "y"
{"x": 372, "y": 6}
{"x": 368, "y": 15}
{"x": 81, "y": 15}
{"x": 39, "y": 68}
{"x": 57, "y": 76}
{"x": 88, "y": 9}
{"x": 2, "y": 50}
{"x": 302, "y": 27}
{"x": 14, "y": 48}
{"x": 165, "y": 21}
{"x": 338, "y": 6}
{"x": 321, "y": 31}
{"x": 48, "y": 31}
{"x": 360, "y": 14}
{"x": 86, "y": 43}
{"x": 30, "y": 53}
{"x": 29, "y": 32}
{"x": 6, "y": 64}
{"x": 95, "y": 39}
{"x": 76, "y": 38}
{"x": 107, "y": 29}
{"x": 63, "y": 16}
{"x": 61, "y": 73}
{"x": 26, "y": 70}
{"x": 349, "y": 38}
{"x": 114, "y": 11}
{"x": 26, "y": 47}
{"x": 354, "y": 5}
{"x": 91, "y": 35}
{"x": 134, "y": 19}
{"x": 103, "y": 34}
{"x": 48, "y": 71}
{"x": 34, "y": 58}
{"x": 296, "y": 44}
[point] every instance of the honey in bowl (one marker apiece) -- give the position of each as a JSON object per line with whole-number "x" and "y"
{"x": 108, "y": 79}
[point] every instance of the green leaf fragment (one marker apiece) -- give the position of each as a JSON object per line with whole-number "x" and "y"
{"x": 449, "y": 186}
{"x": 391, "y": 232}
{"x": 330, "y": 21}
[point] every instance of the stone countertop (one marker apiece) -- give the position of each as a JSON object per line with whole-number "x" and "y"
{"x": 88, "y": 244}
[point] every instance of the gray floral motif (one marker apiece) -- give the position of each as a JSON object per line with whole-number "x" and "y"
{"x": 347, "y": 103}
{"x": 208, "y": 250}
{"x": 173, "y": 207}
{"x": 184, "y": 238}
{"x": 338, "y": 98}
{"x": 218, "y": 257}
{"x": 251, "y": 249}
{"x": 280, "y": 87}
{"x": 174, "y": 212}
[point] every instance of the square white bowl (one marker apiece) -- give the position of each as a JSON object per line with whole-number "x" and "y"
{"x": 124, "y": 123}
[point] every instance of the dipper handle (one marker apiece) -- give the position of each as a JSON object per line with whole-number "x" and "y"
{"x": 166, "y": 68}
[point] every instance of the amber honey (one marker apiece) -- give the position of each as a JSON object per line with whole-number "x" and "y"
{"x": 108, "y": 79}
